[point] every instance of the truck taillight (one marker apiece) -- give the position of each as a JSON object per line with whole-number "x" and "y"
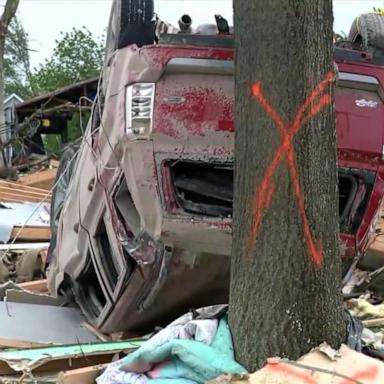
{"x": 139, "y": 109}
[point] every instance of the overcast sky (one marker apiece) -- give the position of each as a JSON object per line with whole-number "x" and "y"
{"x": 45, "y": 19}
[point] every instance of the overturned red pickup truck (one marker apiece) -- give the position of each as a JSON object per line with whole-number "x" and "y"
{"x": 143, "y": 232}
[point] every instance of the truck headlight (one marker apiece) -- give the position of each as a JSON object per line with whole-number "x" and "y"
{"x": 139, "y": 102}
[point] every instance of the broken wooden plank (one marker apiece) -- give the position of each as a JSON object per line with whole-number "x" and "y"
{"x": 5, "y": 193}
{"x": 86, "y": 375}
{"x": 22, "y": 197}
{"x": 96, "y": 332}
{"x": 23, "y": 192}
{"x": 30, "y": 233}
{"x": 7, "y": 198}
{"x": 38, "y": 286}
{"x": 4, "y": 199}
{"x": 43, "y": 179}
{"x": 12, "y": 343}
{"x": 63, "y": 358}
{"x": 28, "y": 297}
{"x": 21, "y": 187}
{"x": 23, "y": 246}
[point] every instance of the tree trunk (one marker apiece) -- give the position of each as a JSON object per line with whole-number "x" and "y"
{"x": 285, "y": 295}
{"x": 10, "y": 9}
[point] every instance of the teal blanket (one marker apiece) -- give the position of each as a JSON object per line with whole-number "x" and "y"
{"x": 186, "y": 361}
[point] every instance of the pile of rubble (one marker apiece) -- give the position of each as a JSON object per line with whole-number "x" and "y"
{"x": 55, "y": 344}
{"x": 24, "y": 231}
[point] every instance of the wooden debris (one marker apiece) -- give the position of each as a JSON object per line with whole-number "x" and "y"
{"x": 12, "y": 343}
{"x": 31, "y": 233}
{"x": 18, "y": 193}
{"x": 86, "y": 375}
{"x": 23, "y": 246}
{"x": 39, "y": 286}
{"x": 63, "y": 357}
{"x": 96, "y": 332}
{"x": 43, "y": 179}
{"x": 28, "y": 297}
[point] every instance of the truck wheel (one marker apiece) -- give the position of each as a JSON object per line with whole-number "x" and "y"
{"x": 130, "y": 23}
{"x": 367, "y": 30}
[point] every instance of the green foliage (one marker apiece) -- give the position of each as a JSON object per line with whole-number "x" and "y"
{"x": 77, "y": 56}
{"x": 75, "y": 125}
{"x": 341, "y": 36}
{"x": 52, "y": 144}
{"x": 378, "y": 10}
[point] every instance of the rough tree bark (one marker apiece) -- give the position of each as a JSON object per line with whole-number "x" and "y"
{"x": 285, "y": 297}
{"x": 9, "y": 12}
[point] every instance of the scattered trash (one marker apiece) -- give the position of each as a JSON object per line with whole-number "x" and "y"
{"x": 354, "y": 330}
{"x": 362, "y": 309}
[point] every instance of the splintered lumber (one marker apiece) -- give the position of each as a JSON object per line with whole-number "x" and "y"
{"x": 18, "y": 193}
{"x": 86, "y": 375}
{"x": 63, "y": 358}
{"x": 23, "y": 246}
{"x": 95, "y": 331}
{"x": 23, "y": 188}
{"x": 31, "y": 233}
{"x": 12, "y": 343}
{"x": 38, "y": 286}
{"x": 42, "y": 179}
{"x": 27, "y": 297}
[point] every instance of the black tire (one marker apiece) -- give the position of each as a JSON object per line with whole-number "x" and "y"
{"x": 367, "y": 30}
{"x": 62, "y": 180}
{"x": 130, "y": 23}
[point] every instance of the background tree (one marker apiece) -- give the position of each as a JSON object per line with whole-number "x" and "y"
{"x": 9, "y": 12}
{"x": 285, "y": 294}
{"x": 77, "y": 56}
{"x": 341, "y": 36}
{"x": 17, "y": 67}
